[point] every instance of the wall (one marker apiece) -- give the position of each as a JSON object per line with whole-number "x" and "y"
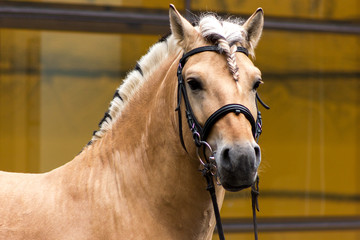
{"x": 56, "y": 85}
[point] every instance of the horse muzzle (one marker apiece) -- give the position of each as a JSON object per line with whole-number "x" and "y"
{"x": 237, "y": 165}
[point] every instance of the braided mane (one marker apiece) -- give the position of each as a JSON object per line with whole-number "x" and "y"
{"x": 226, "y": 33}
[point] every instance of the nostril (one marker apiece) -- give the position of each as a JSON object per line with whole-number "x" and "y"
{"x": 225, "y": 157}
{"x": 225, "y": 154}
{"x": 257, "y": 152}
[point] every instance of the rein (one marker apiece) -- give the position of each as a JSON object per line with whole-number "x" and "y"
{"x": 200, "y": 134}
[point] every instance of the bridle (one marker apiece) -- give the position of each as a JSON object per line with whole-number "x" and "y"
{"x": 200, "y": 133}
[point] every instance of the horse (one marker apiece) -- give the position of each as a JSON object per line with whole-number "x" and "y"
{"x": 138, "y": 177}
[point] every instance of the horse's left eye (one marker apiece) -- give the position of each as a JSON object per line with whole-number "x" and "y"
{"x": 257, "y": 84}
{"x": 195, "y": 85}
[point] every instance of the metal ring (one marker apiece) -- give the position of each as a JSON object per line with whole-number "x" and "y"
{"x": 211, "y": 158}
{"x": 207, "y": 145}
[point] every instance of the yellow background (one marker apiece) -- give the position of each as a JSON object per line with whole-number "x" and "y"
{"x": 55, "y": 87}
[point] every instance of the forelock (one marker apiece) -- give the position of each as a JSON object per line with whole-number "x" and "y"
{"x": 227, "y": 34}
{"x": 213, "y": 28}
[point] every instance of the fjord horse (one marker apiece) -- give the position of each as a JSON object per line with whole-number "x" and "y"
{"x": 135, "y": 180}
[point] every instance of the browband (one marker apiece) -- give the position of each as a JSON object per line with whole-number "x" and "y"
{"x": 207, "y": 49}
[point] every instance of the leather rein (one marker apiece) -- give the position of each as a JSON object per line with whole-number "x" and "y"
{"x": 200, "y": 134}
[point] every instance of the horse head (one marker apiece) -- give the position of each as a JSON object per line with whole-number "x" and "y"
{"x": 221, "y": 80}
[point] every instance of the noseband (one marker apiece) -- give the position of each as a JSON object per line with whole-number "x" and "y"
{"x": 200, "y": 133}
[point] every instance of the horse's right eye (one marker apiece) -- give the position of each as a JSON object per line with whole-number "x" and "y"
{"x": 195, "y": 84}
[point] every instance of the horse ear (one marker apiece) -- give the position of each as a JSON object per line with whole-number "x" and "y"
{"x": 254, "y": 26}
{"x": 182, "y": 30}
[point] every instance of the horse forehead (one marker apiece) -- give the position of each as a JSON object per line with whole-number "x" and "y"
{"x": 216, "y": 64}
{"x": 212, "y": 68}
{"x": 208, "y": 64}
{"x": 209, "y": 58}
{"x": 246, "y": 66}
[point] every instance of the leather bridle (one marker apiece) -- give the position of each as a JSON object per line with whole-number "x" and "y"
{"x": 200, "y": 133}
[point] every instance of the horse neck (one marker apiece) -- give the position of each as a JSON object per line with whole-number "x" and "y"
{"x": 151, "y": 168}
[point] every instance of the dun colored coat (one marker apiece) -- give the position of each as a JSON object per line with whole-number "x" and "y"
{"x": 134, "y": 180}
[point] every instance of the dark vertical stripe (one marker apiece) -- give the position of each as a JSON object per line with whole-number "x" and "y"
{"x": 138, "y": 68}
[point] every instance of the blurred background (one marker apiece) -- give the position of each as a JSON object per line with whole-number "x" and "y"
{"x": 61, "y": 61}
